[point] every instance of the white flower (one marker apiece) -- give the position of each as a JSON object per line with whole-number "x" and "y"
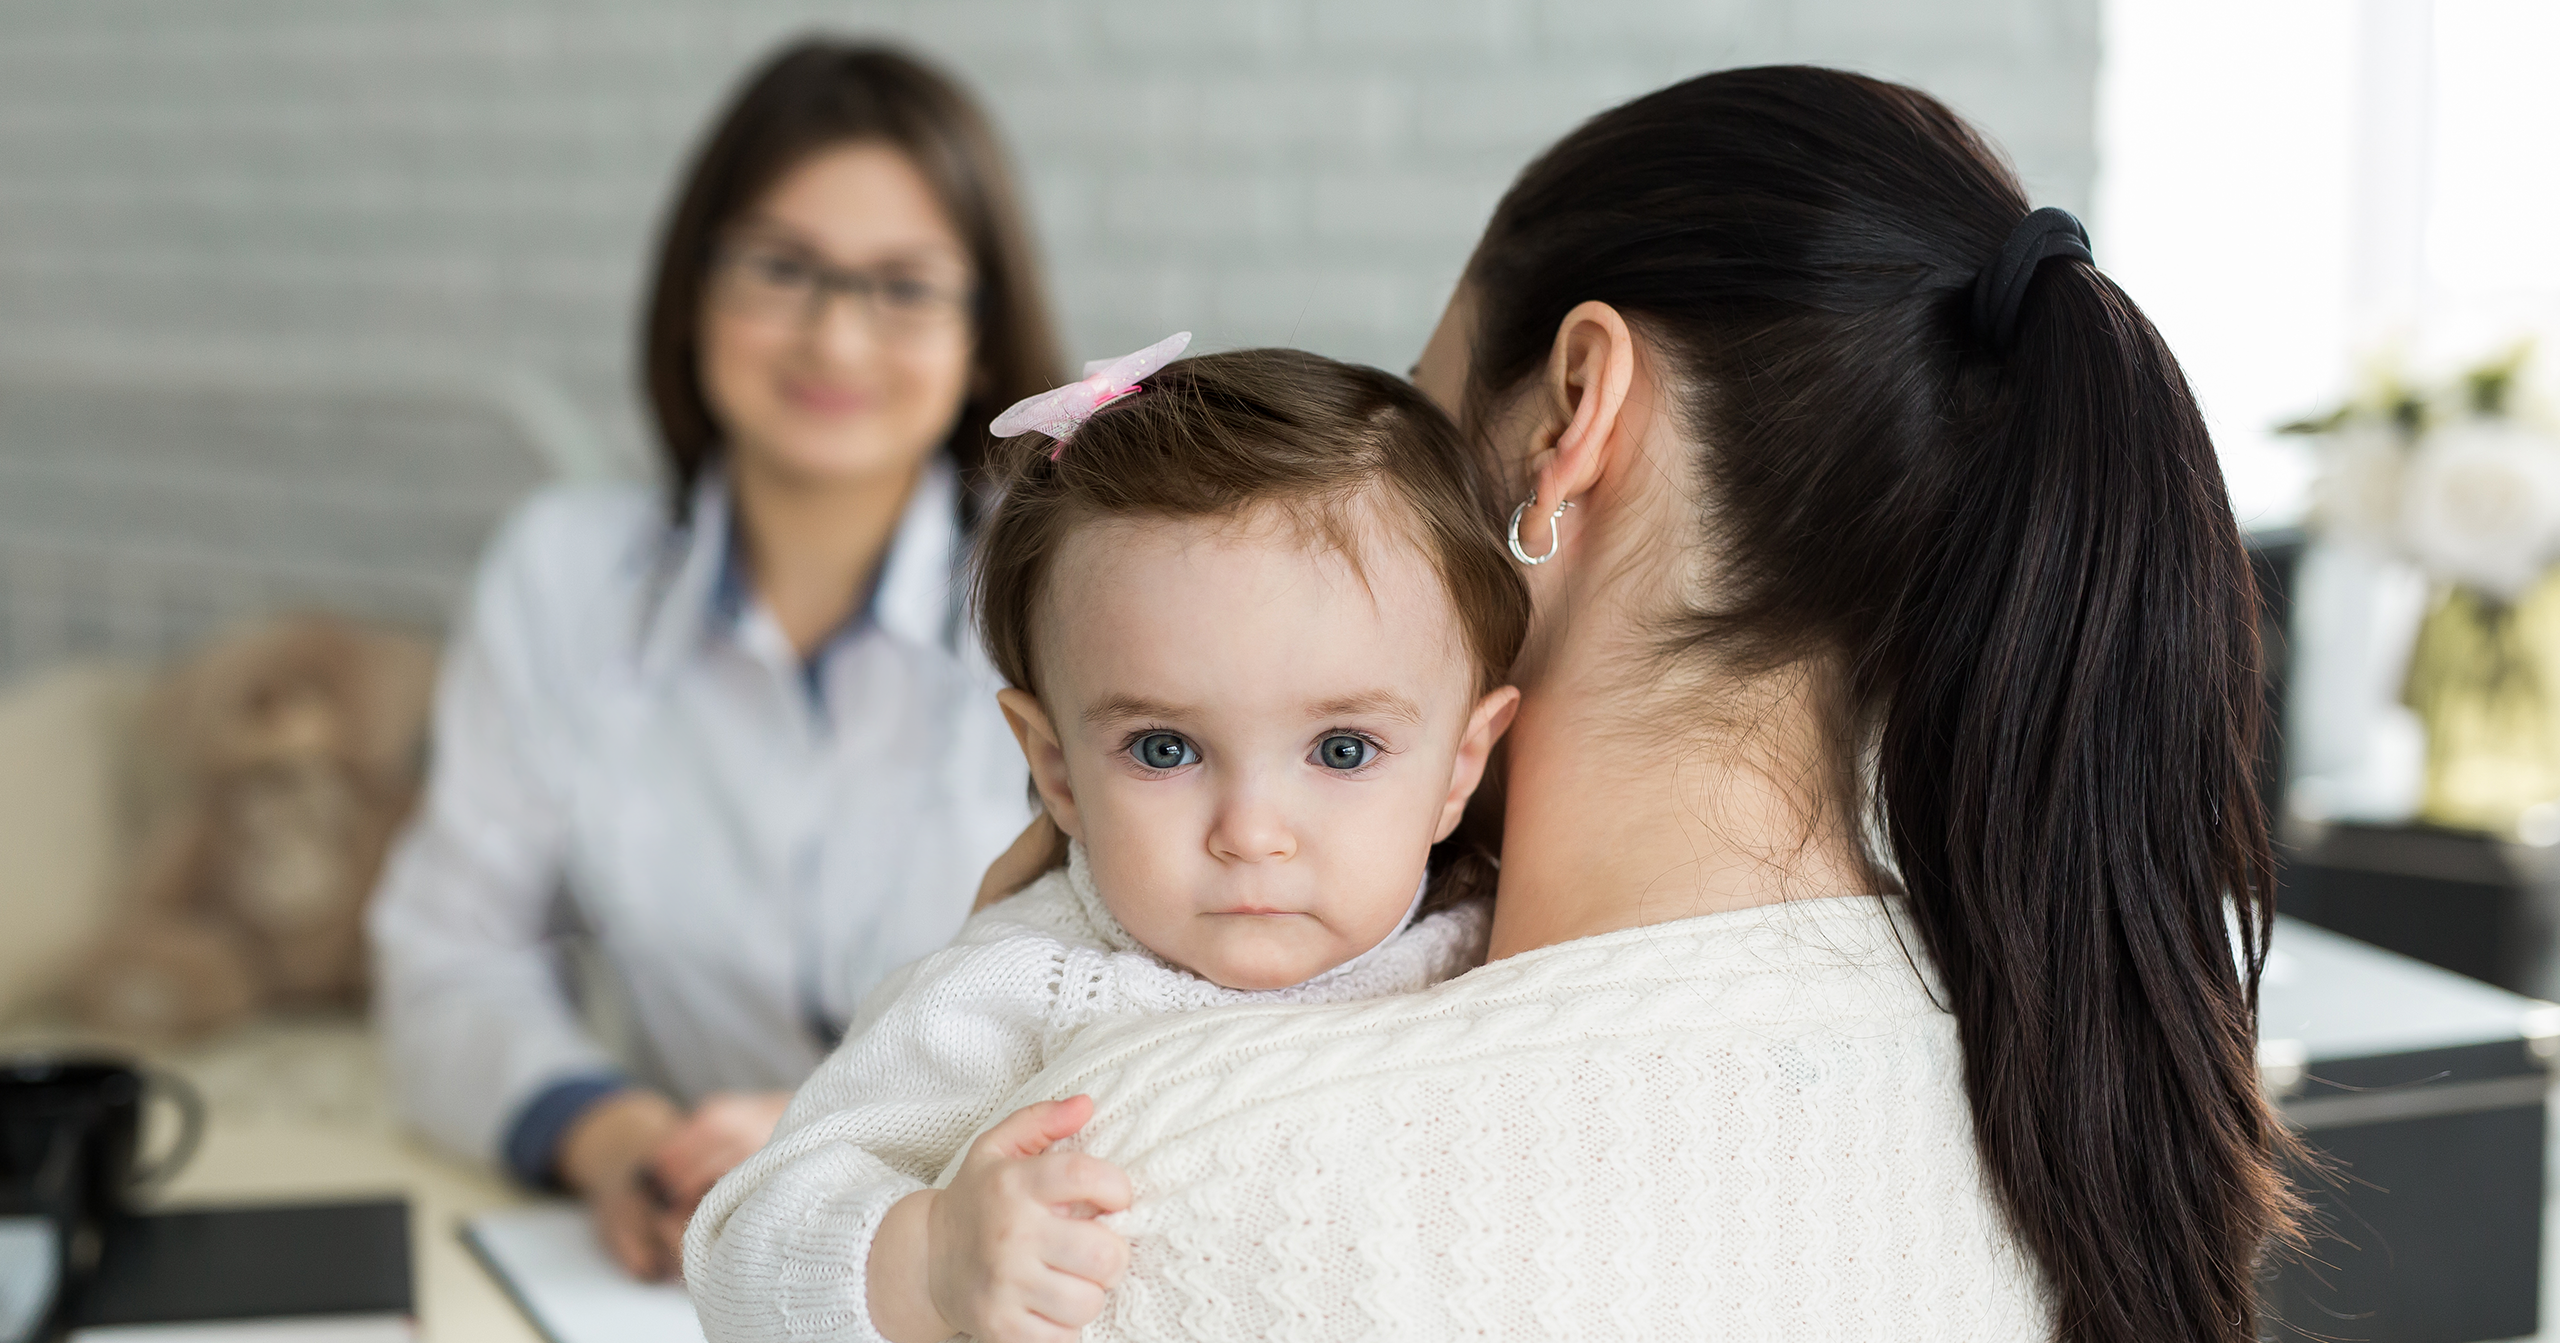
{"x": 2357, "y": 495}
{"x": 2483, "y": 505}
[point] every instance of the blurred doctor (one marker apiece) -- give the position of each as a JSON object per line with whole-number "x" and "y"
{"x": 733, "y": 735}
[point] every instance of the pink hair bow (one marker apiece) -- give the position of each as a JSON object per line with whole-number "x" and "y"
{"x": 1061, "y": 411}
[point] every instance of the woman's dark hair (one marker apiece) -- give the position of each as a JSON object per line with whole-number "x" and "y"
{"x": 814, "y": 95}
{"x": 1218, "y": 435}
{"x": 2023, "y": 571}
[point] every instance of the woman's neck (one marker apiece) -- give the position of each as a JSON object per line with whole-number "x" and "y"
{"x": 813, "y": 547}
{"x": 1630, "y": 805}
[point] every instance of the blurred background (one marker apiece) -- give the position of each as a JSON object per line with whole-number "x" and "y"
{"x": 401, "y": 244}
{"x": 298, "y": 297}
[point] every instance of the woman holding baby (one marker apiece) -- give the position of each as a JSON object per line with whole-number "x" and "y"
{"x": 1882, "y": 888}
{"x": 1880, "y": 690}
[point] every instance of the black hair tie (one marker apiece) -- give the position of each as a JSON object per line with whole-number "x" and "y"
{"x": 2001, "y": 289}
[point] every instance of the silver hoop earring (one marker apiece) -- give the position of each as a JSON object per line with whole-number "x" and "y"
{"x": 1555, "y": 533}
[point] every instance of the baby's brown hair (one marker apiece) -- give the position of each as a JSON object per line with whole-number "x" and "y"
{"x": 1218, "y": 434}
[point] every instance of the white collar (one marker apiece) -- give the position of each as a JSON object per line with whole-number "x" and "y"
{"x": 915, "y": 598}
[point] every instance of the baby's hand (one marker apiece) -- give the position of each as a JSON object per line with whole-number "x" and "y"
{"x": 1014, "y": 1253}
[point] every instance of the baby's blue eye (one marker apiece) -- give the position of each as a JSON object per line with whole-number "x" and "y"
{"x": 1163, "y": 750}
{"x": 1344, "y": 751}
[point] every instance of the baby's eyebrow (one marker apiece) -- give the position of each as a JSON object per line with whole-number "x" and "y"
{"x": 1383, "y": 703}
{"x": 1113, "y": 708}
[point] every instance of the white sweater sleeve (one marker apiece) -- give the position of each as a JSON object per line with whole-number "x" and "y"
{"x": 779, "y": 1248}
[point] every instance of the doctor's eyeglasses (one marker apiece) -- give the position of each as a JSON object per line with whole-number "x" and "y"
{"x": 778, "y": 284}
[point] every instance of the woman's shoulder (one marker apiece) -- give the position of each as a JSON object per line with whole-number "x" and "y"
{"x": 566, "y": 583}
{"x": 1693, "y": 1121}
{"x": 1745, "y": 996}
{"x": 1746, "y": 978}
{"x": 1809, "y": 962}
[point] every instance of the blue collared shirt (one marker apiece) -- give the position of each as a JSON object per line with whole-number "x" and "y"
{"x": 627, "y": 744}
{"x": 733, "y": 601}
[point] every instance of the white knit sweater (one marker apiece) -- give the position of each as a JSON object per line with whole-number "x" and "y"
{"x": 779, "y": 1247}
{"x": 1744, "y": 1126}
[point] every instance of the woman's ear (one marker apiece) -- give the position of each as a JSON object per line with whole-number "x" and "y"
{"x": 1585, "y": 387}
{"x": 1485, "y": 726}
{"x": 1048, "y": 760}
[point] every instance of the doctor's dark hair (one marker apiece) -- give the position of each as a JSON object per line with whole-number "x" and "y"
{"x": 814, "y": 95}
{"x": 2019, "y": 564}
{"x": 1219, "y": 435}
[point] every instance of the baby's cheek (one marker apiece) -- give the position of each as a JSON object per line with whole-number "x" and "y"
{"x": 1137, "y": 852}
{"x": 1371, "y": 924}
{"x": 1374, "y": 874}
{"x": 1149, "y": 907}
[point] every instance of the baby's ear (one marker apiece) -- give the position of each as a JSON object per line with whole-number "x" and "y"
{"x": 1041, "y": 750}
{"x": 1485, "y": 726}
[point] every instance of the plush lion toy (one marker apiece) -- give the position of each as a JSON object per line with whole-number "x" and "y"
{"x": 275, "y": 769}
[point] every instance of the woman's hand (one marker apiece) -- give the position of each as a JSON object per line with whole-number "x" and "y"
{"x": 725, "y": 1129}
{"x": 1010, "y": 1253}
{"x": 1037, "y": 849}
{"x": 642, "y": 1166}
{"x": 601, "y": 1160}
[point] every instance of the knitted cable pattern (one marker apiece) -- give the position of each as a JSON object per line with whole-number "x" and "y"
{"x": 1743, "y": 1126}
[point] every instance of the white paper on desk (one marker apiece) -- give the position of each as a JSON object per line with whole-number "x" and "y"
{"x": 28, "y": 1264}
{"x": 548, "y": 1260}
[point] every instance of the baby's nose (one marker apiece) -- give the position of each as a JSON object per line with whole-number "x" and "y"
{"x": 1249, "y": 829}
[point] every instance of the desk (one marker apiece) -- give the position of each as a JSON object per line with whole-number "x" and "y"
{"x": 297, "y": 1109}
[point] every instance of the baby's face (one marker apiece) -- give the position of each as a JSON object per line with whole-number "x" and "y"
{"x": 1256, "y": 746}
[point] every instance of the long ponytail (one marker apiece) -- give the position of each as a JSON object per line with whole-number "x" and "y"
{"x": 2019, "y": 554}
{"x": 2066, "y": 777}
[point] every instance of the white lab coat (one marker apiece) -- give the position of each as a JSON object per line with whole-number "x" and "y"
{"x": 624, "y": 745}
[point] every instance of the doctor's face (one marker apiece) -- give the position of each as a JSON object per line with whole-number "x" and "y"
{"x": 836, "y": 336}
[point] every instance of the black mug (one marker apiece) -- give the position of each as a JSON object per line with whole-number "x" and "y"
{"x": 70, "y": 1160}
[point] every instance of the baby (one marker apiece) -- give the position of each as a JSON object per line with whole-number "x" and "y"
{"x": 1253, "y": 617}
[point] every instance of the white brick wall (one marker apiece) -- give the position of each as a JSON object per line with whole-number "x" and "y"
{"x": 308, "y": 193}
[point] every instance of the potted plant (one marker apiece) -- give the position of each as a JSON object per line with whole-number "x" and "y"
{"x": 2462, "y": 479}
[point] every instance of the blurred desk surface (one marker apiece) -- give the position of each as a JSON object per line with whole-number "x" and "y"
{"x": 298, "y": 1110}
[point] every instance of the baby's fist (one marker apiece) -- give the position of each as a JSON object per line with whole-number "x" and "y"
{"x": 1015, "y": 1255}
